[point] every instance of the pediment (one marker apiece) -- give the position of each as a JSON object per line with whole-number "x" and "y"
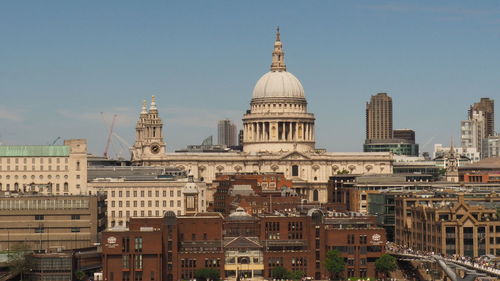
{"x": 243, "y": 242}
{"x": 468, "y": 221}
{"x": 295, "y": 155}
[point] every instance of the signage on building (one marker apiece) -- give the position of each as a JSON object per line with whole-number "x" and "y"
{"x": 111, "y": 242}
{"x": 376, "y": 239}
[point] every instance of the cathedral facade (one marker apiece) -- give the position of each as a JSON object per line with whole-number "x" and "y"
{"x": 278, "y": 137}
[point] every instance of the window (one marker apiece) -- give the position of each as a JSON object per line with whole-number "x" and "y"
{"x": 164, "y": 193}
{"x": 295, "y": 171}
{"x": 138, "y": 244}
{"x": 171, "y": 193}
{"x": 138, "y": 261}
{"x": 39, "y": 217}
{"x": 178, "y": 193}
{"x": 75, "y": 229}
{"x": 39, "y": 229}
{"x": 75, "y": 217}
{"x": 126, "y": 261}
{"x": 135, "y": 203}
{"x": 157, "y": 193}
{"x": 171, "y": 203}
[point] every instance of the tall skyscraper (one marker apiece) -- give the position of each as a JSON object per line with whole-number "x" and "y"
{"x": 487, "y": 107}
{"x": 379, "y": 134}
{"x": 379, "y": 117}
{"x": 227, "y": 133}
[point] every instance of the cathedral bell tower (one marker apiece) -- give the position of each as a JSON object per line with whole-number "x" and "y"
{"x": 149, "y": 142}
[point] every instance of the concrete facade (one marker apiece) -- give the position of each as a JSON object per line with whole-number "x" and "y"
{"x": 46, "y": 169}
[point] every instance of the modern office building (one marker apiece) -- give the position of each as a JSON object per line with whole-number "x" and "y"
{"x": 396, "y": 146}
{"x": 404, "y": 134}
{"x": 226, "y": 132}
{"x": 380, "y": 137}
{"x": 379, "y": 117}
{"x": 46, "y": 169}
{"x": 50, "y": 222}
{"x": 487, "y": 107}
{"x": 490, "y": 147}
{"x": 241, "y": 246}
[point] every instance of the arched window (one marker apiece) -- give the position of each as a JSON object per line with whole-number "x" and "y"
{"x": 315, "y": 195}
{"x": 78, "y": 165}
{"x": 66, "y": 189}
{"x": 16, "y": 186}
{"x": 295, "y": 171}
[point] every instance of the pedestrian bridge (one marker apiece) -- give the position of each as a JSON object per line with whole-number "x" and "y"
{"x": 451, "y": 267}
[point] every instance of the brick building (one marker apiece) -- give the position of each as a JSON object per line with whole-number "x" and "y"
{"x": 241, "y": 245}
{"x": 256, "y": 193}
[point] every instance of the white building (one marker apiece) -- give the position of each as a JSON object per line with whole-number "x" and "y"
{"x": 278, "y": 136}
{"x": 469, "y": 152}
{"x": 149, "y": 198}
{"x": 47, "y": 169}
{"x": 491, "y": 147}
{"x": 472, "y": 131}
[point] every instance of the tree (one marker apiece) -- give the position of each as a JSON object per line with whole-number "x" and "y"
{"x": 18, "y": 260}
{"x": 385, "y": 264}
{"x": 334, "y": 263}
{"x": 279, "y": 272}
{"x": 204, "y": 274}
{"x": 80, "y": 275}
{"x": 296, "y": 275}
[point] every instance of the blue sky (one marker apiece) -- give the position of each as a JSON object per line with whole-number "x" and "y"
{"x": 62, "y": 63}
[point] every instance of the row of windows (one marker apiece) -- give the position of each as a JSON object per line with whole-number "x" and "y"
{"x": 33, "y": 160}
{"x": 142, "y": 193}
{"x": 135, "y": 214}
{"x": 142, "y": 203}
{"x": 32, "y": 187}
{"x": 16, "y": 177}
{"x": 34, "y": 168}
{"x": 42, "y": 217}
{"x": 351, "y": 239}
{"x": 41, "y": 229}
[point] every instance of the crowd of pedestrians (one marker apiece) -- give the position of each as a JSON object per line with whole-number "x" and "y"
{"x": 485, "y": 263}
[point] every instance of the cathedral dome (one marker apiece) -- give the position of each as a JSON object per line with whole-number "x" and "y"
{"x": 278, "y": 84}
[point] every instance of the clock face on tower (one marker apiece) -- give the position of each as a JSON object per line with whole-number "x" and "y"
{"x": 155, "y": 148}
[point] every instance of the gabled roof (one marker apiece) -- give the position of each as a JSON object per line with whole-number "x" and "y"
{"x": 243, "y": 242}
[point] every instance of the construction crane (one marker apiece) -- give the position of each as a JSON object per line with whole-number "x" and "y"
{"x": 54, "y": 142}
{"x": 108, "y": 141}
